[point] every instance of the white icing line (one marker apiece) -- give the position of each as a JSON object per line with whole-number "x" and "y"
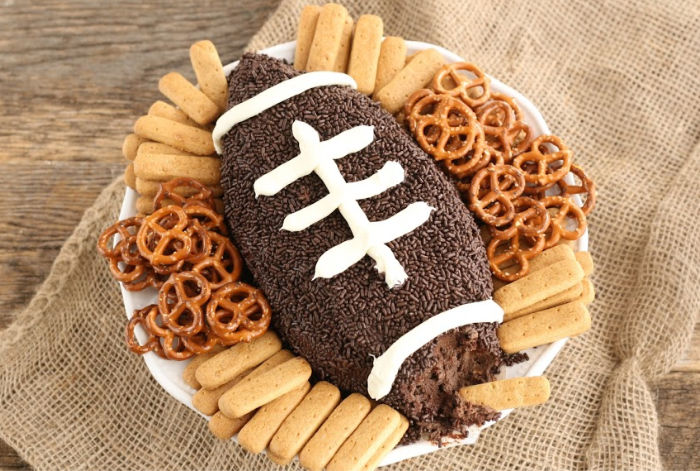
{"x": 387, "y": 365}
{"x": 273, "y": 96}
{"x": 369, "y": 238}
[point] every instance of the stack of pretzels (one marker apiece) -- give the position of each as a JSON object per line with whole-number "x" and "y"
{"x": 183, "y": 251}
{"x": 513, "y": 182}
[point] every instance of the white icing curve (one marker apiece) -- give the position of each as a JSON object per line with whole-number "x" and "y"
{"x": 273, "y": 96}
{"x": 386, "y": 366}
{"x": 369, "y": 238}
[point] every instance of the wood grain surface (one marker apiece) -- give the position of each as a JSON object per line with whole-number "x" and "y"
{"x": 73, "y": 77}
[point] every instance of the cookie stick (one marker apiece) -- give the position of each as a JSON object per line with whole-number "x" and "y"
{"x": 129, "y": 177}
{"x": 335, "y": 430}
{"x": 543, "y": 327}
{"x": 366, "y": 440}
{"x": 415, "y": 74}
{"x": 166, "y": 110}
{"x": 159, "y": 148}
{"x": 305, "y": 35}
{"x": 188, "y": 374}
{"x": 538, "y": 285}
{"x": 228, "y": 364}
{"x": 326, "y": 42}
{"x": 210, "y": 72}
{"x": 586, "y": 262}
{"x": 550, "y": 256}
{"x": 301, "y": 424}
{"x": 341, "y": 60}
{"x": 392, "y": 58}
{"x": 187, "y": 138}
{"x": 131, "y": 145}
{"x": 164, "y": 167}
{"x": 258, "y": 432}
{"x": 387, "y": 446}
{"x": 188, "y": 98}
{"x": 364, "y": 55}
{"x": 256, "y": 392}
{"x": 562, "y": 297}
{"x": 224, "y": 427}
{"x": 206, "y": 401}
{"x": 508, "y": 393}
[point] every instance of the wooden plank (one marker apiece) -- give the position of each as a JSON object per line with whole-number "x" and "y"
{"x": 679, "y": 410}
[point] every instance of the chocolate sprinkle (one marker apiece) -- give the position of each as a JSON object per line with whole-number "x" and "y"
{"x": 340, "y": 324}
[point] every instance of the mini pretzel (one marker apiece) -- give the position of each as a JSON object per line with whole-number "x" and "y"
{"x": 164, "y": 243}
{"x": 504, "y": 184}
{"x": 172, "y": 346}
{"x": 587, "y": 187}
{"x": 167, "y": 191}
{"x": 223, "y": 265}
{"x": 443, "y": 126}
{"x": 503, "y": 133}
{"x": 471, "y": 163}
{"x": 472, "y": 91}
{"x": 139, "y": 318}
{"x": 207, "y": 217}
{"x": 201, "y": 242}
{"x": 512, "y": 255}
{"x": 497, "y": 119}
{"x": 563, "y": 209}
{"x": 537, "y": 163}
{"x": 181, "y": 300}
{"x": 238, "y": 312}
{"x": 531, "y": 219}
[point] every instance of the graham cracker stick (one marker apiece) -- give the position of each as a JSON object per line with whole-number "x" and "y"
{"x": 550, "y": 256}
{"x": 225, "y": 366}
{"x": 392, "y": 58}
{"x": 588, "y": 292}
{"x": 301, "y": 424}
{"x": 188, "y": 374}
{"x": 543, "y": 327}
{"x": 415, "y": 74}
{"x": 224, "y": 428}
{"x": 249, "y": 395}
{"x": 131, "y": 145}
{"x": 387, "y": 446}
{"x": 188, "y": 98}
{"x": 364, "y": 55}
{"x": 181, "y": 136}
{"x": 166, "y": 110}
{"x": 164, "y": 167}
{"x": 562, "y": 297}
{"x": 129, "y": 177}
{"x": 159, "y": 148}
{"x": 305, "y": 35}
{"x": 210, "y": 72}
{"x": 327, "y": 37}
{"x": 586, "y": 261}
{"x": 341, "y": 60}
{"x": 508, "y": 393}
{"x": 258, "y": 432}
{"x": 539, "y": 285}
{"x": 366, "y": 440}
{"x": 334, "y": 431}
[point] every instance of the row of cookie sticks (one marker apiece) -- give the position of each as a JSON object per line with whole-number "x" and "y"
{"x": 549, "y": 303}
{"x": 174, "y": 140}
{"x": 262, "y": 393}
{"x": 329, "y": 39}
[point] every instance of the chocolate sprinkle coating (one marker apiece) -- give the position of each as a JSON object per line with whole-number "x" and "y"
{"x": 340, "y": 324}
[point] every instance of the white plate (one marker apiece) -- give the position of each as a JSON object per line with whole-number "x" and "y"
{"x": 169, "y": 372}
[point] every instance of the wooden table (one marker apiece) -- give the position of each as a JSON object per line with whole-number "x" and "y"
{"x": 73, "y": 77}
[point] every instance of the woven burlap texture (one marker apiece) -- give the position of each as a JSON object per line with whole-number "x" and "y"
{"x": 618, "y": 80}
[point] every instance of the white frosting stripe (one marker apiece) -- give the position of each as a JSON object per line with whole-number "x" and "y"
{"x": 387, "y": 365}
{"x": 274, "y": 96}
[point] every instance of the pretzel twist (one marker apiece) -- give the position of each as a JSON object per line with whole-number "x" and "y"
{"x": 473, "y": 91}
{"x": 238, "y": 312}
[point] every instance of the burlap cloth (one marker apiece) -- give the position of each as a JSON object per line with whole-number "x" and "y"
{"x": 618, "y": 80}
